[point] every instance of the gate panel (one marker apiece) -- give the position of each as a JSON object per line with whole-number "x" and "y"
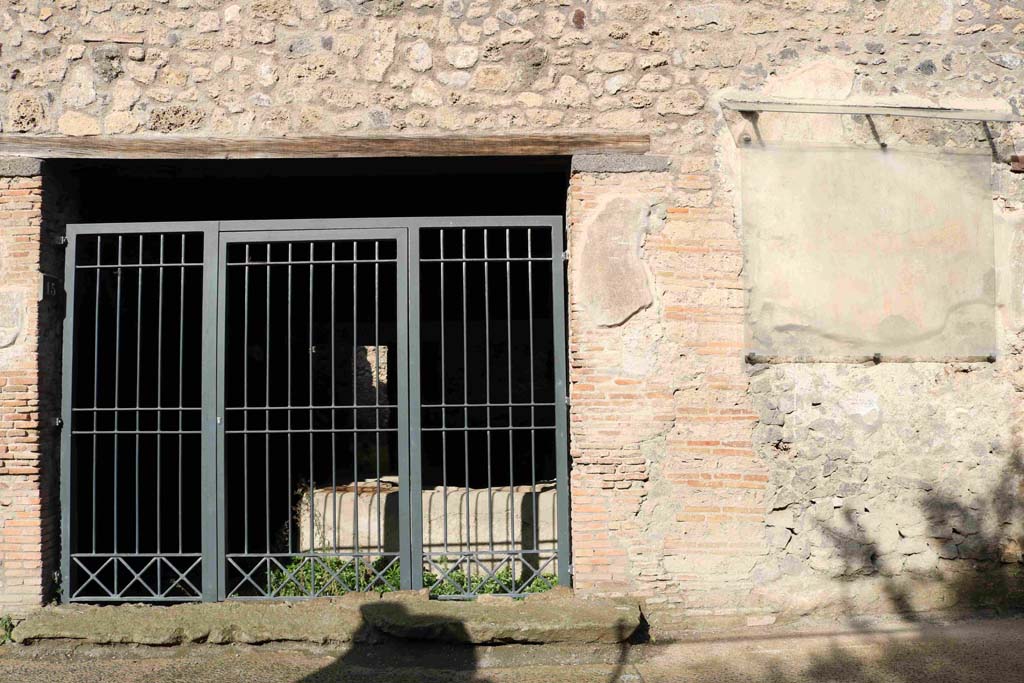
{"x": 494, "y": 506}
{"x": 133, "y": 412}
{"x": 313, "y": 329}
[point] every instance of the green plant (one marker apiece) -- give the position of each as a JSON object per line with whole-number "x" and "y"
{"x": 456, "y": 582}
{"x": 334, "y": 576}
{"x": 6, "y": 629}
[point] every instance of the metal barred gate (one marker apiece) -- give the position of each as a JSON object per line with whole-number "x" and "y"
{"x": 292, "y": 409}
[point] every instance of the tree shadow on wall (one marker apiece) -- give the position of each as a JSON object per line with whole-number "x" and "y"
{"x": 973, "y": 552}
{"x": 978, "y": 574}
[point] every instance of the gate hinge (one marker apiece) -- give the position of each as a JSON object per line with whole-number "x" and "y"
{"x": 565, "y": 255}
{"x": 58, "y": 422}
{"x": 61, "y": 240}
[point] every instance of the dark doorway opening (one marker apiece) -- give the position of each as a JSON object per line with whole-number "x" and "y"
{"x": 488, "y": 308}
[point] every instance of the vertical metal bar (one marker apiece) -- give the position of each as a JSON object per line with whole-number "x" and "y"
{"x": 159, "y": 404}
{"x": 245, "y": 403}
{"x": 533, "y": 399}
{"x": 465, "y": 397}
{"x": 376, "y": 379}
{"x": 214, "y": 365}
{"x": 266, "y": 409}
{"x": 409, "y": 411}
{"x": 138, "y": 403}
{"x": 561, "y": 409}
{"x": 355, "y": 412}
{"x": 288, "y": 394}
{"x": 117, "y": 400}
{"x": 309, "y": 351}
{"x": 444, "y": 400}
{"x": 69, "y": 362}
{"x": 508, "y": 318}
{"x": 95, "y": 381}
{"x": 210, "y": 487}
{"x": 334, "y": 401}
{"x": 181, "y": 406}
{"x": 487, "y": 396}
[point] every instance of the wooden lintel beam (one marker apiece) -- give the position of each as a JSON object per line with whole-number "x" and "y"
{"x": 325, "y": 147}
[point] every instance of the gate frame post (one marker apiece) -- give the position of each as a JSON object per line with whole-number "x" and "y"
{"x": 412, "y": 579}
{"x": 210, "y": 470}
{"x": 68, "y": 523}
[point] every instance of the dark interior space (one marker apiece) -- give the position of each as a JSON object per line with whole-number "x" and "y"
{"x": 311, "y": 382}
{"x": 486, "y": 317}
{"x": 123, "y": 191}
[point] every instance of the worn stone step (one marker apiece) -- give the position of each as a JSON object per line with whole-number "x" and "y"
{"x": 556, "y": 617}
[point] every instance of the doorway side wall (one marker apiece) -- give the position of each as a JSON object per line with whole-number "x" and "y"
{"x": 29, "y": 538}
{"x": 668, "y": 502}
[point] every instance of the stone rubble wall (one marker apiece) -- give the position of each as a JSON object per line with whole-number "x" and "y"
{"x": 699, "y": 481}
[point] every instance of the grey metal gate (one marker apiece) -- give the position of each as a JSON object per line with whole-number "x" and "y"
{"x": 313, "y": 397}
{"x": 291, "y": 409}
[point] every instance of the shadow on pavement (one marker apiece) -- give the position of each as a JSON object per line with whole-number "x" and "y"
{"x": 437, "y": 649}
{"x": 394, "y": 646}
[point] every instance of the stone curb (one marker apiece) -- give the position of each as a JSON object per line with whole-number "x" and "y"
{"x": 553, "y": 619}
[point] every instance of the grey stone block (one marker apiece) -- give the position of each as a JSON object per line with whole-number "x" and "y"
{"x": 620, "y": 163}
{"x": 20, "y": 167}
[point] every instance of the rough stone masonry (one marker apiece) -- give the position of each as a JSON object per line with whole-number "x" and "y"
{"x": 700, "y": 481}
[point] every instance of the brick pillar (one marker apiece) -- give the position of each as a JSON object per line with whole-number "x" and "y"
{"x": 28, "y": 514}
{"x": 667, "y": 496}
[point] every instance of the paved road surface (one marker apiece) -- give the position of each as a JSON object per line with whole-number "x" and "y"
{"x": 990, "y": 651}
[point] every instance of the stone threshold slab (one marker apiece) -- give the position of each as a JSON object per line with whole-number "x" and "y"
{"x": 544, "y": 618}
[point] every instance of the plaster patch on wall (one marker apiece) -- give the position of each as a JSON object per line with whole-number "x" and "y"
{"x": 852, "y": 252}
{"x": 827, "y": 79}
{"x": 11, "y": 319}
{"x": 616, "y": 283}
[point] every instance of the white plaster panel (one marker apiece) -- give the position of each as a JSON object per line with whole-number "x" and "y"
{"x": 853, "y": 251}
